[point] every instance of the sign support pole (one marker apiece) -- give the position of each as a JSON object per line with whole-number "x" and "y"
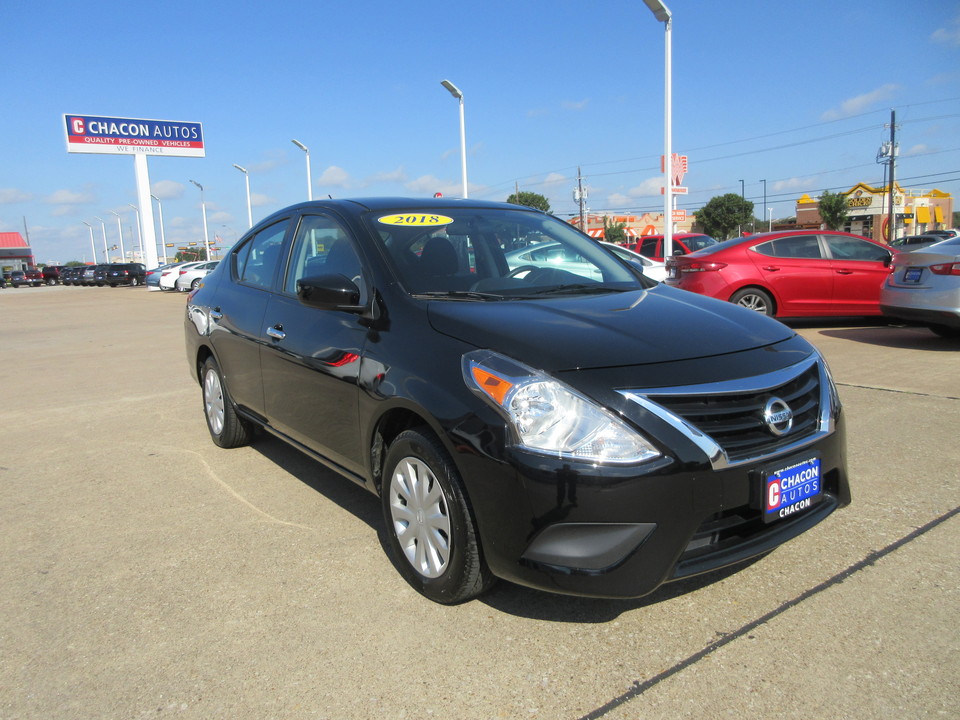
{"x": 147, "y": 232}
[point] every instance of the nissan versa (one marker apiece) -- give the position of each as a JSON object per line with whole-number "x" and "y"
{"x": 594, "y": 434}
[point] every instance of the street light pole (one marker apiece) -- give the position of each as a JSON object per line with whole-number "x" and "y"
{"x": 764, "y": 193}
{"x": 455, "y": 91}
{"x": 246, "y": 176}
{"x": 123, "y": 253}
{"x": 309, "y": 181}
{"x": 740, "y": 227}
{"x": 139, "y": 235}
{"x": 163, "y": 241}
{"x": 106, "y": 255}
{"x": 203, "y": 209}
{"x": 93, "y": 249}
{"x": 662, "y": 13}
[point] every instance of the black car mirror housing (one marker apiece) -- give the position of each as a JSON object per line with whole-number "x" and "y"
{"x": 330, "y": 292}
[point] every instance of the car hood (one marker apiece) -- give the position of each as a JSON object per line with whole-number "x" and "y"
{"x": 658, "y": 325}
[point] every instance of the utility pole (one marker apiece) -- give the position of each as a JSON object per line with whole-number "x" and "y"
{"x": 582, "y": 199}
{"x": 892, "y": 219}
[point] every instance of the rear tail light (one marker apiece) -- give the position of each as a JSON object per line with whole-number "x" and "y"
{"x": 183, "y": 272}
{"x": 946, "y": 269}
{"x": 698, "y": 266}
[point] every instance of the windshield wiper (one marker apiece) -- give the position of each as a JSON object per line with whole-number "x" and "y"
{"x": 459, "y": 295}
{"x": 578, "y": 288}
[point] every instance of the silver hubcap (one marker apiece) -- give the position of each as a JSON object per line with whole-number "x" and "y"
{"x": 213, "y": 401}
{"x": 753, "y": 302}
{"x": 421, "y": 521}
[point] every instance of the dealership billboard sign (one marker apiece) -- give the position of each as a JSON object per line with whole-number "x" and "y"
{"x": 132, "y": 136}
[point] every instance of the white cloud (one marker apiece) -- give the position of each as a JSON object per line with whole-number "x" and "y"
{"x": 259, "y": 199}
{"x": 794, "y": 183}
{"x": 9, "y": 196}
{"x": 949, "y": 35}
{"x": 575, "y": 105}
{"x": 391, "y": 176}
{"x": 553, "y": 179}
{"x": 69, "y": 197}
{"x": 919, "y": 149}
{"x": 861, "y": 103}
{"x": 619, "y": 200}
{"x": 334, "y": 176}
{"x": 167, "y": 189}
{"x": 272, "y": 159}
{"x": 430, "y": 184}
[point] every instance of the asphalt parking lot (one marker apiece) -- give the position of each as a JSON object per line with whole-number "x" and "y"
{"x": 147, "y": 573}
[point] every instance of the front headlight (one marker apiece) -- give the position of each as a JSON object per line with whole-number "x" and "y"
{"x": 549, "y": 417}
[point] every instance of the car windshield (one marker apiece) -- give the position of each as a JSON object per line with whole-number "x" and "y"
{"x": 476, "y": 253}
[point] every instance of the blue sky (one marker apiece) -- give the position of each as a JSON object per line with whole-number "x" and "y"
{"x": 797, "y": 93}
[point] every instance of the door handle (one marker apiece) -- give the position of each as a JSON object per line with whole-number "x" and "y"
{"x": 771, "y": 268}
{"x": 844, "y": 271}
{"x": 276, "y": 332}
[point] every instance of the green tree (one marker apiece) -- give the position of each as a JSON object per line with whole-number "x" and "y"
{"x": 723, "y": 214}
{"x": 530, "y": 199}
{"x": 833, "y": 209}
{"x": 613, "y": 231}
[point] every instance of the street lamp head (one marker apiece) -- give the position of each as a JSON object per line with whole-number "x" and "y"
{"x": 660, "y": 11}
{"x": 155, "y": 197}
{"x": 452, "y": 89}
{"x": 86, "y": 223}
{"x": 197, "y": 184}
{"x": 113, "y": 213}
{"x": 134, "y": 207}
{"x": 241, "y": 169}
{"x": 301, "y": 146}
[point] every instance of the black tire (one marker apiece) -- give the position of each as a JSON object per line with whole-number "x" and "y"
{"x": 227, "y": 428}
{"x": 754, "y": 299}
{"x": 435, "y": 544}
{"x": 946, "y": 331}
{"x": 195, "y": 284}
{"x": 134, "y": 281}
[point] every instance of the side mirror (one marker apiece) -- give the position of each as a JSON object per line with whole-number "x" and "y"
{"x": 329, "y": 292}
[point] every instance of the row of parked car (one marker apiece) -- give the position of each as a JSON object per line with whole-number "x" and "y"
{"x": 175, "y": 276}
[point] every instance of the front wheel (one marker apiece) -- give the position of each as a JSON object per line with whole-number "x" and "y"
{"x": 430, "y": 527}
{"x": 754, "y": 299}
{"x": 227, "y": 428}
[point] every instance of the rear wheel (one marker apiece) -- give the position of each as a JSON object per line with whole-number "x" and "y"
{"x": 226, "y": 427}
{"x": 431, "y": 530}
{"x": 754, "y": 299}
{"x": 134, "y": 281}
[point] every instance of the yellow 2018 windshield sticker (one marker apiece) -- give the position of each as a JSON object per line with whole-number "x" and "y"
{"x": 415, "y": 220}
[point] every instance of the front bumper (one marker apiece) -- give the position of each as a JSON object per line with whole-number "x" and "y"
{"x": 609, "y": 532}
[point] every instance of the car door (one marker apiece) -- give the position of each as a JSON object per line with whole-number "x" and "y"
{"x": 795, "y": 268}
{"x": 243, "y": 295}
{"x": 860, "y": 268}
{"x": 311, "y": 358}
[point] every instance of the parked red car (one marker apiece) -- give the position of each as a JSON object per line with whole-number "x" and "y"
{"x": 651, "y": 246}
{"x": 789, "y": 274}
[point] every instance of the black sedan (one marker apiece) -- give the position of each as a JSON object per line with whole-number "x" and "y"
{"x": 593, "y": 435}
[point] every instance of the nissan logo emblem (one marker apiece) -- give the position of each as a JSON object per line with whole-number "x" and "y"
{"x": 778, "y": 416}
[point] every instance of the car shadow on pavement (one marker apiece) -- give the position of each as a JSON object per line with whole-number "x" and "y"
{"x": 539, "y": 605}
{"x": 336, "y": 488}
{"x": 879, "y": 331}
{"x": 506, "y": 597}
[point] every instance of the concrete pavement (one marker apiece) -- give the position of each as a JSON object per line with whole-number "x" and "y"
{"x": 147, "y": 573}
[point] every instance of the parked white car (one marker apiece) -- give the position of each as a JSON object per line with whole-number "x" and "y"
{"x": 170, "y": 274}
{"x": 190, "y": 277}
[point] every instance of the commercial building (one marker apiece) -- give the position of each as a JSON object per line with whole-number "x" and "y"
{"x": 15, "y": 253}
{"x": 868, "y": 214}
{"x": 635, "y": 226}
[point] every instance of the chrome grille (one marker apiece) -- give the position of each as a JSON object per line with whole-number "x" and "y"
{"x": 736, "y": 421}
{"x": 726, "y": 419}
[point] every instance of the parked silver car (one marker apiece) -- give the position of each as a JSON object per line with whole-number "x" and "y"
{"x": 190, "y": 277}
{"x": 924, "y": 286}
